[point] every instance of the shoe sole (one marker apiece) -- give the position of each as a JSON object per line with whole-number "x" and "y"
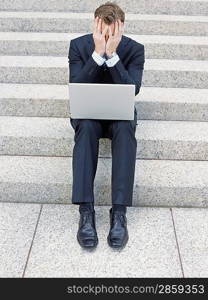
{"x": 116, "y": 246}
{"x": 87, "y": 247}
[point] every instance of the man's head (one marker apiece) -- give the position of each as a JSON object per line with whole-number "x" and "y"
{"x": 109, "y": 12}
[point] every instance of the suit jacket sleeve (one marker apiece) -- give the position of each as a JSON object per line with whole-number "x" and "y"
{"x": 134, "y": 71}
{"x": 78, "y": 70}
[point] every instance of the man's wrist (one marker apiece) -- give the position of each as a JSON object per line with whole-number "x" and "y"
{"x": 111, "y": 54}
{"x": 99, "y": 52}
{"x": 112, "y": 61}
{"x": 109, "y": 60}
{"x": 98, "y": 58}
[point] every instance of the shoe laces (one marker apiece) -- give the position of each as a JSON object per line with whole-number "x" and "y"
{"x": 86, "y": 216}
{"x": 119, "y": 216}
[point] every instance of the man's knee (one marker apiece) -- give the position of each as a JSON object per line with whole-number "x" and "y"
{"x": 125, "y": 125}
{"x": 89, "y": 125}
{"x": 86, "y": 125}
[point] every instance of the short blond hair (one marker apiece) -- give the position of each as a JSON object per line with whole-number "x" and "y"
{"x": 110, "y": 12}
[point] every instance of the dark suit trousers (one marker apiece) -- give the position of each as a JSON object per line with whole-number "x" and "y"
{"x": 85, "y": 157}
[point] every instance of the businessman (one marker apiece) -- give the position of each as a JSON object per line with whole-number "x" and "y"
{"x": 105, "y": 56}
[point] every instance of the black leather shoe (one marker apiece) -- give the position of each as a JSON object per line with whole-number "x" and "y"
{"x": 87, "y": 235}
{"x": 118, "y": 234}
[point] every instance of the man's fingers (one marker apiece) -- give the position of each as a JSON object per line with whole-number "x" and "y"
{"x": 110, "y": 32}
{"x": 99, "y": 25}
{"x": 121, "y": 27}
{"x": 95, "y": 23}
{"x": 116, "y": 28}
{"x": 105, "y": 30}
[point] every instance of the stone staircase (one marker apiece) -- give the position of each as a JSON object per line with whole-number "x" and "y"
{"x": 36, "y": 138}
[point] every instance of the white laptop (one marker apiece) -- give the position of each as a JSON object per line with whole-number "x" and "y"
{"x": 101, "y": 101}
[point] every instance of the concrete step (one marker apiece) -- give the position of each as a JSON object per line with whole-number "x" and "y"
{"x": 55, "y": 137}
{"x": 175, "y": 7}
{"x": 83, "y": 22}
{"x": 36, "y": 100}
{"x": 57, "y": 44}
{"x": 55, "y": 70}
{"x": 176, "y": 104}
{"x": 166, "y": 183}
{"x": 153, "y": 103}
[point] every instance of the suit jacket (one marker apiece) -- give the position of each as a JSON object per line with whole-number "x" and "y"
{"x": 128, "y": 70}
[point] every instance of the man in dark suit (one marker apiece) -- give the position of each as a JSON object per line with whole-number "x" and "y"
{"x": 106, "y": 56}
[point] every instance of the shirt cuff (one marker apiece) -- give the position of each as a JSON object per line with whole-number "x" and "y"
{"x": 112, "y": 61}
{"x": 98, "y": 58}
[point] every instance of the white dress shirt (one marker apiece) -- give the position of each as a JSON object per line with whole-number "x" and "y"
{"x": 100, "y": 60}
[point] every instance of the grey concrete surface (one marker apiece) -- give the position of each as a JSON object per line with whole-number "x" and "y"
{"x": 152, "y": 103}
{"x": 192, "y": 233}
{"x": 57, "y": 44}
{"x": 157, "y": 182}
{"x": 150, "y": 252}
{"x": 156, "y": 139}
{"x": 55, "y": 70}
{"x": 17, "y": 226}
{"x": 82, "y": 22}
{"x": 163, "y": 242}
{"x": 185, "y": 7}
